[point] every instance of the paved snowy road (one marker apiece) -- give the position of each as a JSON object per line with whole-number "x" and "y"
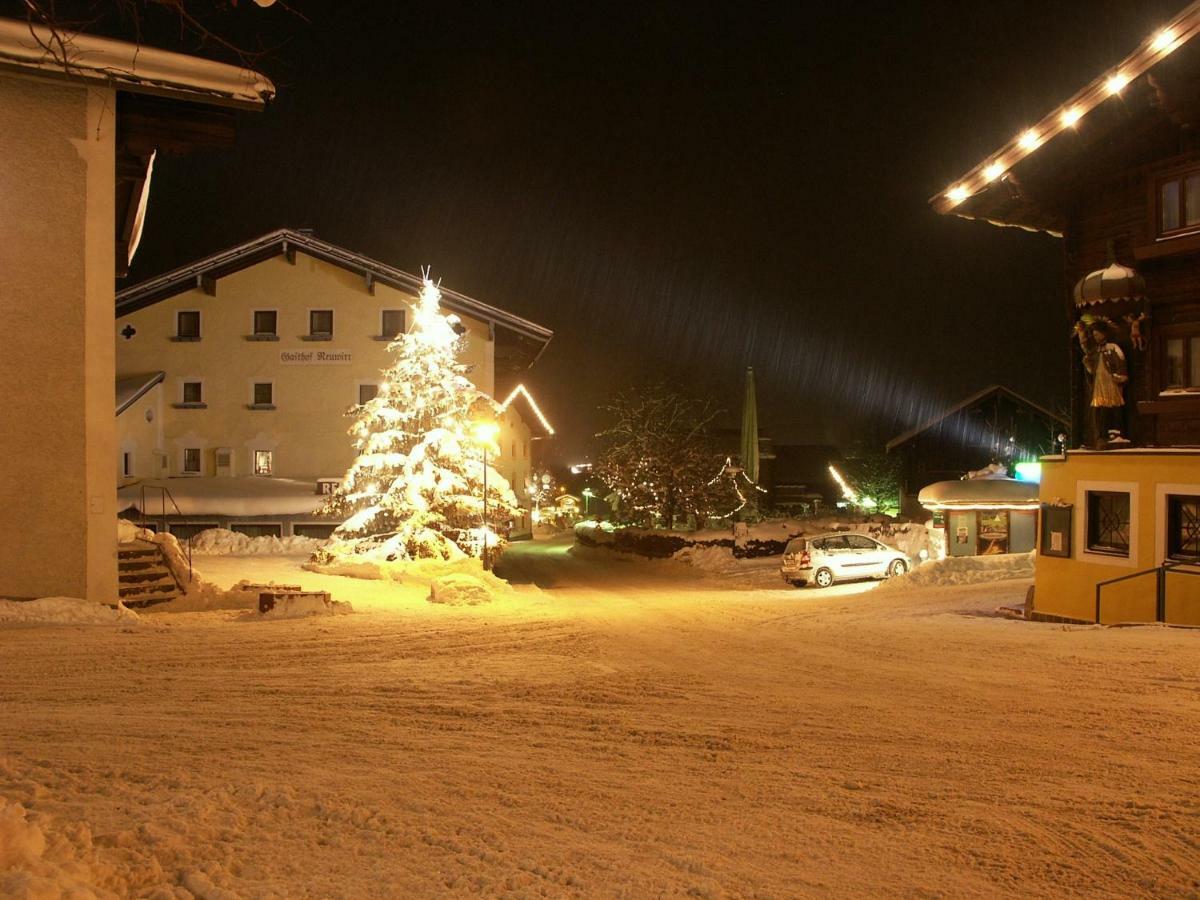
{"x": 617, "y": 728}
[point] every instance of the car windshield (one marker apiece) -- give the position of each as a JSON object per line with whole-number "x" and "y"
{"x": 796, "y": 545}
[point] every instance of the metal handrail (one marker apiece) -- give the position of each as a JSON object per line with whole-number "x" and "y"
{"x": 1160, "y": 573}
{"x": 165, "y": 495}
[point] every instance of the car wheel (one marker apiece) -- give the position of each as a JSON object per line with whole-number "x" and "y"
{"x": 823, "y": 578}
{"x": 898, "y": 567}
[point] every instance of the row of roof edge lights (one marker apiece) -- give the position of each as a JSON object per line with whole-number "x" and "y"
{"x": 1169, "y": 38}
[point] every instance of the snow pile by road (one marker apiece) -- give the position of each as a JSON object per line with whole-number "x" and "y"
{"x": 966, "y": 570}
{"x": 303, "y": 606}
{"x": 459, "y": 589}
{"x": 223, "y": 542}
{"x": 64, "y": 611}
{"x": 35, "y": 864}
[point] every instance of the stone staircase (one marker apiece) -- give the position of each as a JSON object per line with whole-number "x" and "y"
{"x": 143, "y": 576}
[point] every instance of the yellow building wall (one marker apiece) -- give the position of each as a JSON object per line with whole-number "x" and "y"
{"x": 139, "y": 433}
{"x": 1067, "y": 586}
{"x": 307, "y": 431}
{"x": 57, "y": 171}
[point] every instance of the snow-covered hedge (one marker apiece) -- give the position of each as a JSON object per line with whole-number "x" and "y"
{"x": 766, "y": 538}
{"x": 222, "y": 542}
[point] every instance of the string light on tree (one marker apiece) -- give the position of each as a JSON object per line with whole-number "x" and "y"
{"x": 416, "y": 490}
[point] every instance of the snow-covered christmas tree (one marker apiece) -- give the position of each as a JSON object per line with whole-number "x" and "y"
{"x": 416, "y": 489}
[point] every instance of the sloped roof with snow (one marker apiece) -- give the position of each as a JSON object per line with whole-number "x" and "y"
{"x": 975, "y": 493}
{"x": 132, "y": 388}
{"x": 134, "y": 68}
{"x": 1020, "y": 183}
{"x": 519, "y": 343}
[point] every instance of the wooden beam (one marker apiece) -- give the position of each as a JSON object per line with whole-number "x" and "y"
{"x": 208, "y": 284}
{"x": 289, "y": 253}
{"x": 370, "y": 280}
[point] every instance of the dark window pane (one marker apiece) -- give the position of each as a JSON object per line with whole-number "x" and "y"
{"x": 317, "y": 530}
{"x": 1174, "y": 362}
{"x": 265, "y": 321}
{"x": 393, "y": 322}
{"x": 264, "y": 393}
{"x": 188, "y": 323}
{"x": 367, "y": 393}
{"x": 320, "y": 321}
{"x": 1169, "y": 205}
{"x": 191, "y": 459}
{"x": 1183, "y": 527}
{"x": 1108, "y": 522}
{"x": 256, "y": 529}
{"x": 1191, "y": 200}
{"x": 192, "y": 392}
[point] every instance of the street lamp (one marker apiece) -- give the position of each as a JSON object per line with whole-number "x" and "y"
{"x": 588, "y": 494}
{"x": 485, "y": 432}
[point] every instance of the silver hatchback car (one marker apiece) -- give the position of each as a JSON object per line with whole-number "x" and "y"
{"x": 825, "y": 558}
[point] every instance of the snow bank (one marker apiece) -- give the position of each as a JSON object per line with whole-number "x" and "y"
{"x": 223, "y": 542}
{"x": 64, "y": 611}
{"x": 459, "y": 589}
{"x": 965, "y": 570}
{"x": 302, "y": 606}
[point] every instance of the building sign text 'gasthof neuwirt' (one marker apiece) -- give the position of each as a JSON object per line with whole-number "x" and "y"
{"x": 316, "y": 357}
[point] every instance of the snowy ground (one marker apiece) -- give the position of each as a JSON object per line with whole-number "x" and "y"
{"x": 615, "y": 728}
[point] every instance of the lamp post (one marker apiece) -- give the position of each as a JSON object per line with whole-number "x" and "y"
{"x": 485, "y": 434}
{"x": 588, "y": 494}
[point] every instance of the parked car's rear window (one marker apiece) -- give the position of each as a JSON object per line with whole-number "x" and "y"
{"x": 796, "y": 545}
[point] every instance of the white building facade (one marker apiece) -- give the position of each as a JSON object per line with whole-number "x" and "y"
{"x": 237, "y": 375}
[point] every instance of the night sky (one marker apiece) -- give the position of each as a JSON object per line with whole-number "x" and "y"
{"x": 677, "y": 190}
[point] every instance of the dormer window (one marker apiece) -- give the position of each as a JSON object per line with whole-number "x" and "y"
{"x": 1179, "y": 204}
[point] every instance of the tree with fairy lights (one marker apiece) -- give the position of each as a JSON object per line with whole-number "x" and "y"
{"x": 416, "y": 490}
{"x": 659, "y": 455}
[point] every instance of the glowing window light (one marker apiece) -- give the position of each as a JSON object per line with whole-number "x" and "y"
{"x": 957, "y": 194}
{"x": 1071, "y": 116}
{"x": 993, "y": 171}
{"x": 1030, "y": 140}
{"x": 1164, "y": 41}
{"x": 1116, "y": 82}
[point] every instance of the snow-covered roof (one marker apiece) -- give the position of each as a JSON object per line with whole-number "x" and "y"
{"x": 230, "y": 496}
{"x": 970, "y": 401}
{"x": 131, "y": 67}
{"x": 131, "y": 388}
{"x": 993, "y": 192}
{"x": 980, "y": 493}
{"x": 528, "y": 339}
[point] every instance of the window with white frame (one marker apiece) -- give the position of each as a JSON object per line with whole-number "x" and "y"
{"x": 264, "y": 462}
{"x": 187, "y": 325}
{"x": 1183, "y": 527}
{"x": 263, "y": 396}
{"x": 391, "y": 323}
{"x": 266, "y": 323}
{"x": 320, "y": 323}
{"x": 1108, "y": 522}
{"x": 191, "y": 460}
